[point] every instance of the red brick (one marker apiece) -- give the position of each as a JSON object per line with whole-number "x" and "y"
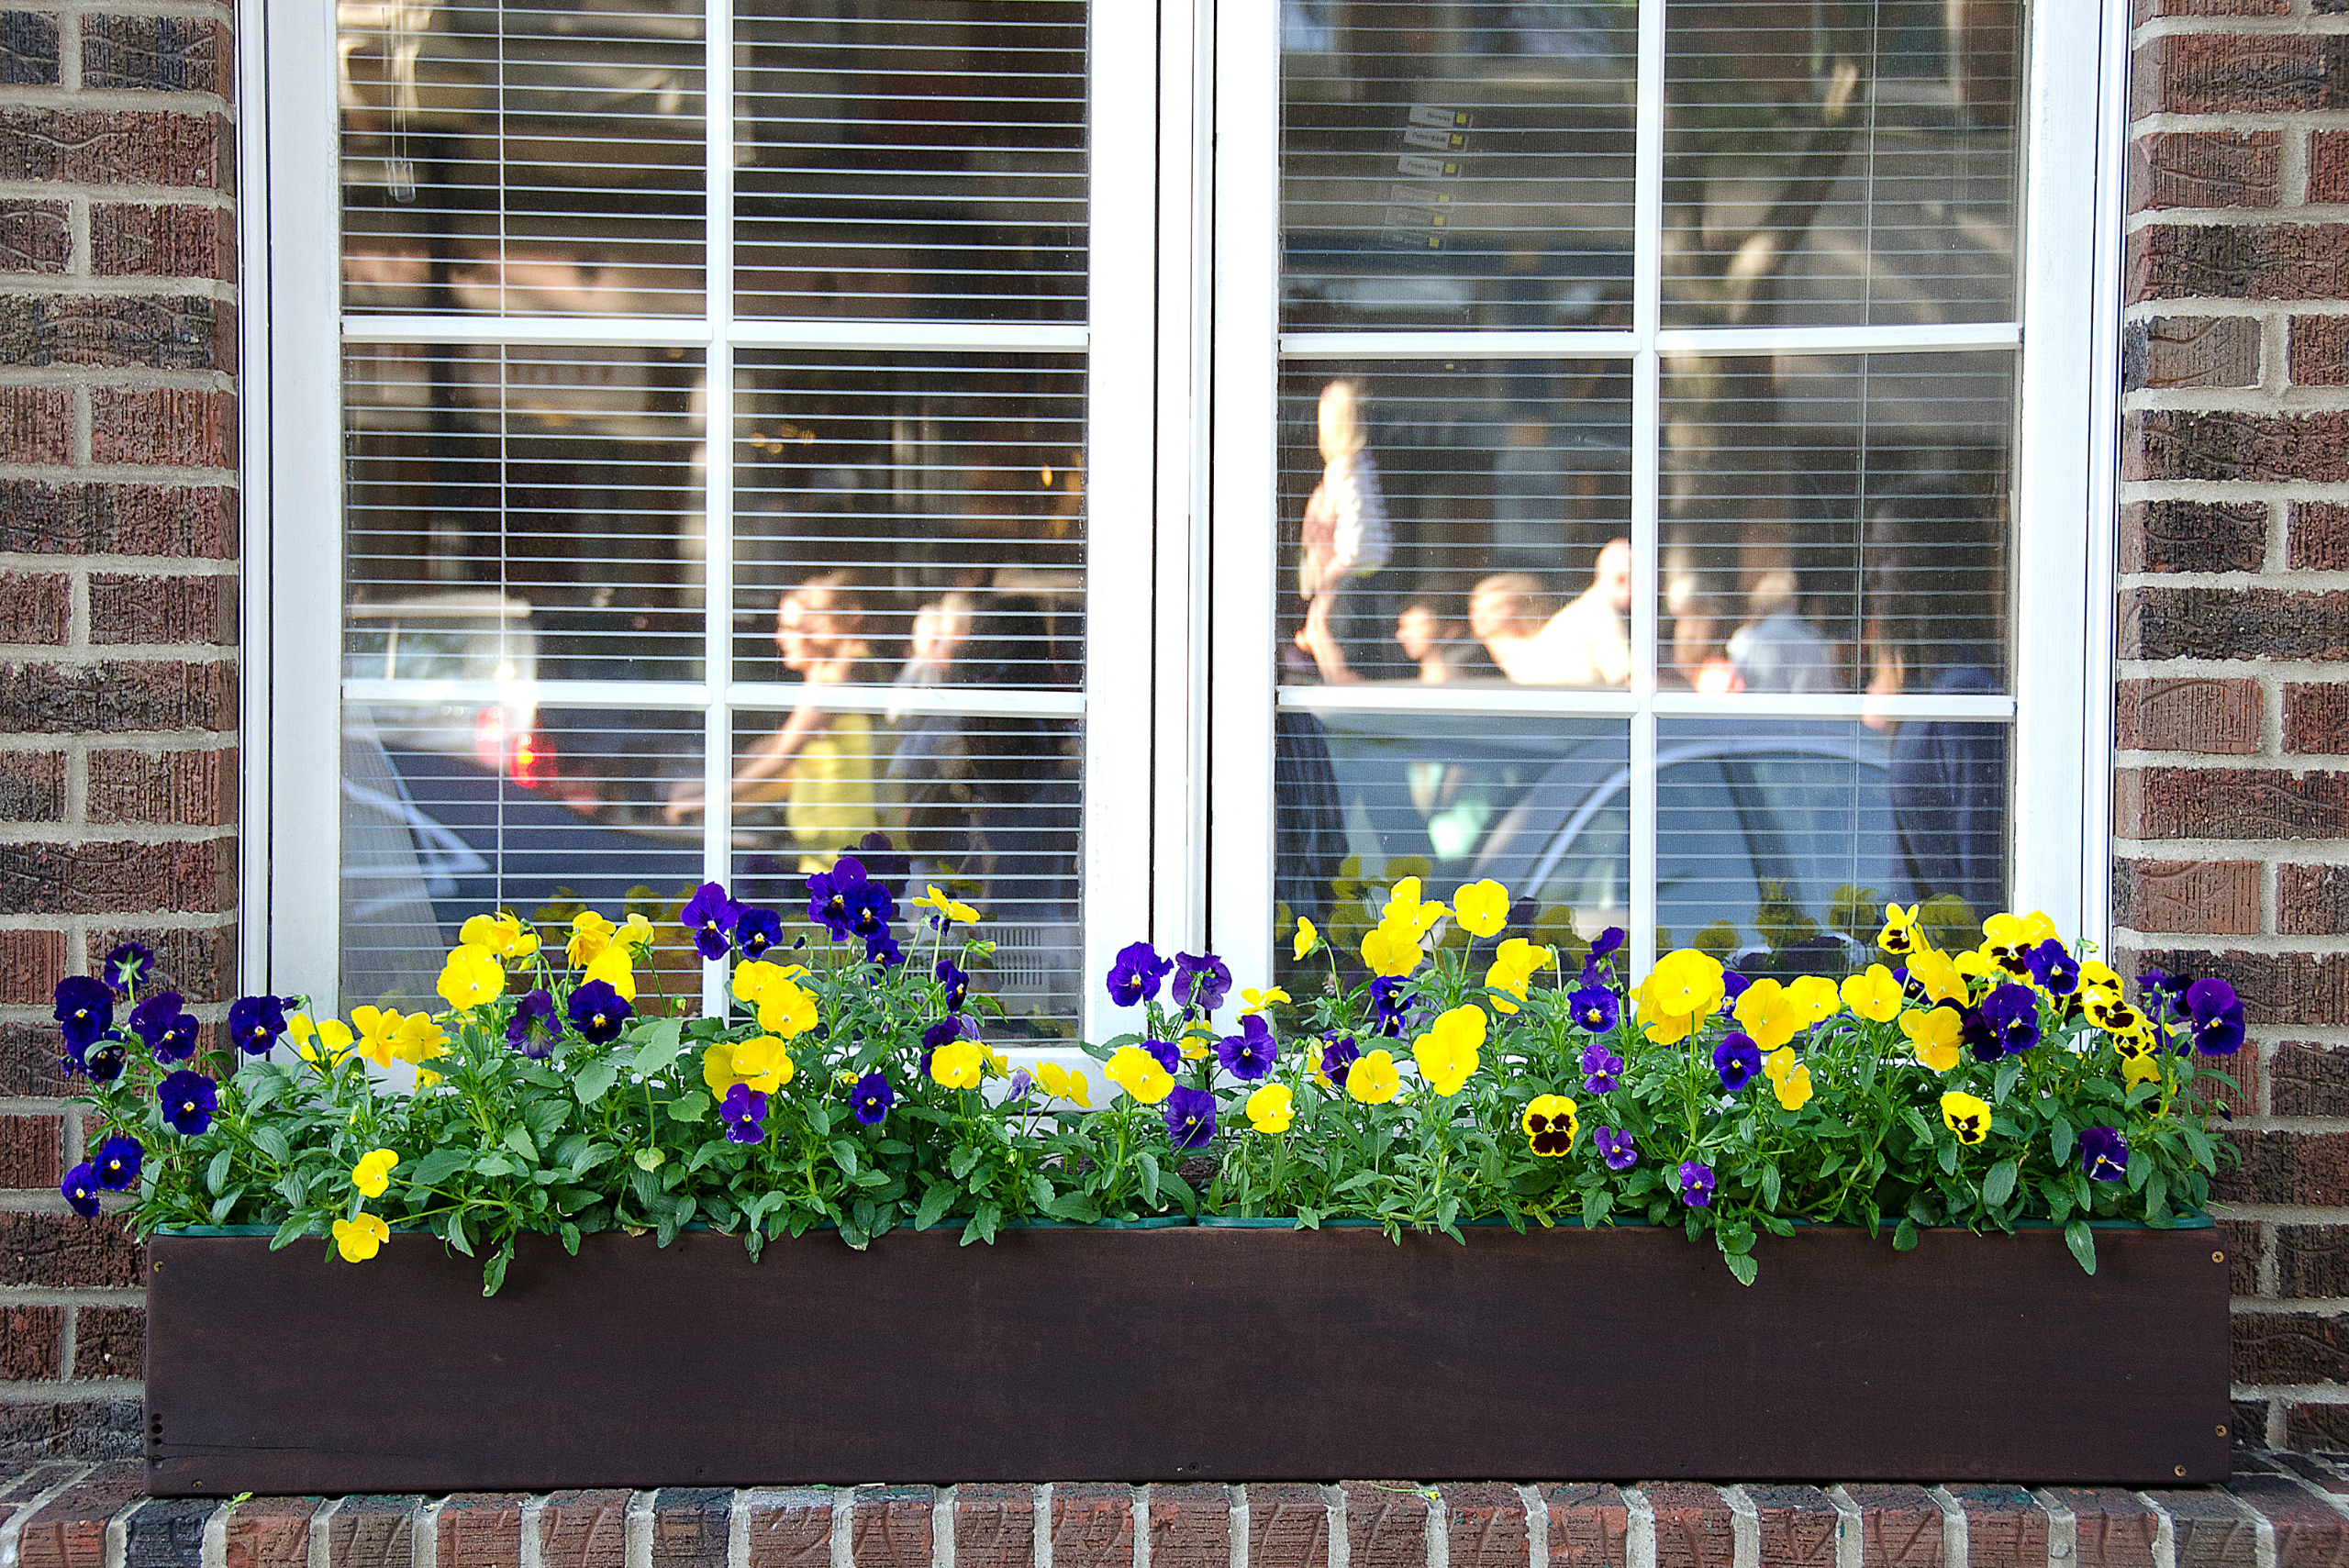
{"x": 2227, "y": 444}
{"x": 2311, "y": 901}
{"x": 147, "y": 607}
{"x": 29, "y": 1059}
{"x": 117, "y": 519}
{"x": 373, "y": 1532}
{"x": 2310, "y": 1080}
{"x": 1589, "y": 1526}
{"x": 2308, "y": 1534}
{"x": 1190, "y": 1527}
{"x": 2207, "y": 169}
{"x": 2149, "y": 9}
{"x": 2227, "y": 260}
{"x": 1694, "y": 1525}
{"x": 111, "y": 1341}
{"x": 32, "y": 786}
{"x": 1900, "y": 1526}
{"x": 2317, "y": 539}
{"x": 2219, "y": 73}
{"x": 889, "y": 1527}
{"x": 1093, "y": 1526}
{"x": 2319, "y": 351}
{"x": 1386, "y": 1525}
{"x": 34, "y": 237}
{"x": 1798, "y": 1526}
{"x": 995, "y": 1527}
{"x": 2210, "y": 1530}
{"x": 106, "y": 878}
{"x": 2243, "y": 1245}
{"x": 2277, "y": 988}
{"x": 36, "y": 423}
{"x": 1485, "y": 1526}
{"x": 2193, "y": 536}
{"x": 36, "y": 607}
{"x": 166, "y": 54}
{"x": 2176, "y": 353}
{"x": 274, "y": 1532}
{"x": 2316, "y": 719}
{"x": 120, "y": 697}
{"x": 2329, "y": 166}
{"x": 31, "y": 963}
{"x": 691, "y": 1526}
{"x": 2229, "y": 803}
{"x": 1289, "y": 1526}
{"x": 589, "y": 1529}
{"x": 164, "y": 426}
{"x": 119, "y": 146}
{"x": 2004, "y": 1527}
{"x": 177, "y": 332}
{"x": 480, "y": 1531}
{"x": 2201, "y": 714}
{"x": 70, "y": 1531}
{"x": 170, "y": 240}
{"x": 65, "y": 1251}
{"x": 2239, "y": 1096}
{"x": 2297, "y": 1348}
{"x": 31, "y": 1154}
{"x": 199, "y": 962}
{"x": 2286, "y": 1168}
{"x": 31, "y": 1341}
{"x": 181, "y": 788}
{"x": 2197, "y": 897}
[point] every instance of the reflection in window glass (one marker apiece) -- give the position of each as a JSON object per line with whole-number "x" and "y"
{"x": 1456, "y": 520}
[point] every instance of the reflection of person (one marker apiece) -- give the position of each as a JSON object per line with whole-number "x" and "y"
{"x": 1347, "y": 540}
{"x": 1930, "y": 626}
{"x": 1779, "y": 649}
{"x": 1589, "y": 643}
{"x": 1437, "y": 647}
{"x": 1506, "y": 613}
{"x": 1018, "y": 773}
{"x": 924, "y": 756}
{"x": 821, "y": 765}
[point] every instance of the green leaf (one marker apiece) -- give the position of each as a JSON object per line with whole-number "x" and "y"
{"x": 2082, "y": 1241}
{"x": 1949, "y": 1158}
{"x": 1039, "y": 1188}
{"x": 517, "y": 1138}
{"x": 493, "y": 1273}
{"x": 1905, "y": 1237}
{"x": 570, "y": 1237}
{"x": 226, "y": 1201}
{"x": 1999, "y": 1184}
{"x": 1147, "y": 1163}
{"x": 2060, "y": 1139}
{"x": 215, "y": 1174}
{"x": 688, "y": 1106}
{"x": 934, "y": 1204}
{"x": 1075, "y": 1207}
{"x": 1596, "y": 1203}
{"x": 1769, "y": 1190}
{"x": 439, "y": 1165}
{"x": 594, "y": 1080}
{"x": 1742, "y": 1265}
{"x": 2009, "y": 1071}
{"x": 494, "y": 1165}
{"x": 959, "y": 1164}
{"x": 272, "y": 1143}
{"x": 660, "y": 1047}
{"x": 845, "y": 1152}
{"x": 292, "y": 1230}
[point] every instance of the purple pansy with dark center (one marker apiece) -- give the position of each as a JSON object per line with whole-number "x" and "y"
{"x": 118, "y": 1162}
{"x": 2011, "y": 1013}
{"x": 81, "y": 1189}
{"x": 1695, "y": 1184}
{"x": 1733, "y": 985}
{"x": 597, "y": 1012}
{"x": 1608, "y": 942}
{"x": 2162, "y": 990}
{"x": 1250, "y": 1054}
{"x": 534, "y": 1029}
{"x": 871, "y": 1098}
{"x": 1016, "y": 1089}
{"x": 1136, "y": 974}
{"x": 1616, "y": 1148}
{"x": 953, "y": 981}
{"x": 710, "y": 914}
{"x": 165, "y": 1024}
{"x": 1601, "y": 1068}
{"x": 84, "y": 1009}
{"x": 2217, "y": 1016}
{"x": 1978, "y": 1035}
{"x": 1201, "y": 981}
{"x": 1190, "y": 1117}
{"x": 1337, "y": 1058}
{"x": 1165, "y": 1054}
{"x": 1737, "y": 1059}
{"x": 188, "y": 1100}
{"x": 127, "y": 965}
{"x": 874, "y": 910}
{"x": 2053, "y": 968}
{"x": 256, "y": 1022}
{"x": 947, "y": 1029}
{"x": 1596, "y": 1007}
{"x": 834, "y": 897}
{"x": 2104, "y": 1154}
{"x": 1391, "y": 1017}
{"x": 756, "y": 930}
{"x": 881, "y": 947}
{"x": 105, "y": 1061}
{"x": 745, "y": 1111}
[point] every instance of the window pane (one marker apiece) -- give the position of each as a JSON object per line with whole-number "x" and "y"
{"x": 1450, "y": 166}
{"x": 1838, "y": 163}
{"x": 1364, "y": 799}
{"x": 522, "y": 158}
{"x": 1837, "y": 522}
{"x": 1438, "y": 517}
{"x": 931, "y": 492}
{"x": 911, "y": 158}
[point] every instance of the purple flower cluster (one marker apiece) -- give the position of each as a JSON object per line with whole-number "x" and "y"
{"x": 847, "y": 901}
{"x": 1137, "y": 974}
{"x": 1337, "y": 1058}
{"x": 1201, "y": 981}
{"x": 164, "y": 1025}
{"x": 1252, "y": 1054}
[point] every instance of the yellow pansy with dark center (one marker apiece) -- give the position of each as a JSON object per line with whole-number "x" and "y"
{"x": 1550, "y": 1124}
{"x": 1899, "y": 933}
{"x": 1966, "y": 1115}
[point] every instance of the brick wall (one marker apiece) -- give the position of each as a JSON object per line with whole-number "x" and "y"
{"x": 117, "y": 621}
{"x": 2232, "y": 799}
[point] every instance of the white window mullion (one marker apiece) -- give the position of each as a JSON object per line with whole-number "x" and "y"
{"x": 1647, "y": 469}
{"x": 718, "y": 466}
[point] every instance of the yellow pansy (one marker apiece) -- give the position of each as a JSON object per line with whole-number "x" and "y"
{"x": 1137, "y": 1073}
{"x": 1717, "y": 941}
{"x": 426, "y": 1077}
{"x": 1513, "y": 968}
{"x": 1790, "y": 1079}
{"x": 2140, "y": 1061}
{"x": 1550, "y": 1125}
{"x": 952, "y": 908}
{"x": 377, "y": 1027}
{"x": 1063, "y": 1083}
{"x": 1271, "y": 1108}
{"x": 1391, "y": 951}
{"x": 636, "y": 931}
{"x": 1254, "y": 1001}
{"x": 763, "y": 1063}
{"x": 1815, "y": 998}
{"x": 590, "y": 935}
{"x": 1307, "y": 939}
{"x": 1482, "y": 908}
{"x": 373, "y": 1172}
{"x": 959, "y": 1063}
{"x": 469, "y": 978}
{"x": 1974, "y": 963}
{"x": 1373, "y": 1079}
{"x": 1448, "y": 1053}
{"x": 1900, "y": 934}
{"x": 1196, "y": 1042}
{"x": 1683, "y": 990}
{"x": 1767, "y": 1012}
{"x": 1874, "y": 995}
{"x": 615, "y": 966}
{"x": 1966, "y": 1115}
{"x": 1406, "y": 910}
{"x": 328, "y": 1040}
{"x": 1939, "y": 974}
{"x": 2111, "y": 1014}
{"x": 786, "y": 1010}
{"x": 1934, "y": 1034}
{"x": 2005, "y": 939}
{"x": 502, "y": 934}
{"x": 420, "y": 1039}
{"x": 361, "y": 1238}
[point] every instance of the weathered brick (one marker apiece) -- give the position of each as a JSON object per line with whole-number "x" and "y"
{"x": 163, "y": 241}
{"x": 2229, "y": 444}
{"x": 31, "y": 963}
{"x": 1694, "y": 1525}
{"x": 2229, "y": 803}
{"x": 70, "y": 1531}
{"x": 480, "y": 1530}
{"x": 169, "y": 54}
{"x": 2319, "y": 351}
{"x": 36, "y": 423}
{"x": 176, "y": 332}
{"x": 32, "y": 1338}
{"x": 167, "y": 1532}
{"x": 1589, "y": 1526}
{"x": 2311, "y": 1262}
{"x": 589, "y": 1529}
{"x": 2193, "y": 536}
{"x": 168, "y": 427}
{"x": 117, "y": 147}
{"x": 2146, "y": 10}
{"x": 690, "y": 1525}
{"x": 28, "y": 51}
{"x": 2317, "y": 538}
{"x": 83, "y": 1428}
{"x": 2286, "y": 1168}
{"x": 2229, "y": 260}
{"x": 104, "y": 877}
{"x": 1485, "y": 1526}
{"x": 2176, "y": 352}
{"x": 2316, "y": 719}
{"x": 29, "y": 1059}
{"x": 1190, "y": 1527}
{"x": 2005, "y": 1527}
{"x": 31, "y": 1150}
{"x": 2207, "y": 169}
{"x": 2308, "y": 1534}
{"x": 2244, "y": 1244}
{"x": 34, "y": 1478}
{"x": 373, "y": 1532}
{"x": 2217, "y": 74}
{"x": 2317, "y": 1425}
{"x": 2209, "y": 1529}
{"x": 2310, "y": 1080}
{"x": 121, "y": 697}
{"x": 1093, "y": 1526}
{"x": 2297, "y": 1348}
{"x": 200, "y": 961}
{"x": 995, "y": 1527}
{"x": 1900, "y": 1526}
{"x": 150, "y": 607}
{"x": 63, "y": 1250}
{"x": 32, "y": 786}
{"x": 34, "y": 237}
{"x": 2329, "y": 166}
{"x": 1289, "y": 1526}
{"x": 2311, "y": 901}
{"x": 2188, "y": 897}
{"x": 274, "y": 1532}
{"x": 2201, "y": 714}
{"x": 117, "y": 519}
{"x": 36, "y": 607}
{"x": 789, "y": 1528}
{"x": 194, "y": 789}
{"x": 1386, "y": 1525}
{"x": 111, "y": 1341}
{"x": 1798, "y": 1526}
{"x": 890, "y": 1526}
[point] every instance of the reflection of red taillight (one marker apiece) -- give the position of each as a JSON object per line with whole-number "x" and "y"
{"x": 489, "y": 739}
{"x": 529, "y": 766}
{"x": 521, "y": 757}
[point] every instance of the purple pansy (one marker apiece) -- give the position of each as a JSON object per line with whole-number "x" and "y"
{"x": 949, "y": 1028}
{"x": 2104, "y": 1154}
{"x": 105, "y": 1061}
{"x": 881, "y": 947}
{"x": 1201, "y": 981}
{"x": 710, "y": 914}
{"x": 1165, "y": 1053}
{"x": 1596, "y": 1007}
{"x": 597, "y": 1012}
{"x": 1695, "y": 1184}
{"x": 835, "y": 897}
{"x": 871, "y": 1098}
{"x": 2053, "y": 968}
{"x": 256, "y": 1022}
{"x": 2011, "y": 1015}
{"x": 166, "y": 1025}
{"x": 127, "y": 965}
{"x": 1616, "y": 1148}
{"x": 1601, "y": 1068}
{"x": 81, "y": 1189}
{"x": 534, "y": 1029}
{"x": 757, "y": 931}
{"x": 1337, "y": 1058}
{"x": 2217, "y": 1016}
{"x": 1391, "y": 1016}
{"x": 1190, "y": 1117}
{"x": 85, "y": 1009}
{"x": 956, "y": 984}
{"x": 745, "y": 1111}
{"x": 1137, "y": 974}
{"x": 1250, "y": 1054}
{"x": 1737, "y": 1059}
{"x": 118, "y": 1162}
{"x": 188, "y": 1100}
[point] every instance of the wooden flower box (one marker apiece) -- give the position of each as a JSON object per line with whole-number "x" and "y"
{"x": 1223, "y": 1353}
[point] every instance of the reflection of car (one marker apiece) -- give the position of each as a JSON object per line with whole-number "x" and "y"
{"x": 472, "y": 636}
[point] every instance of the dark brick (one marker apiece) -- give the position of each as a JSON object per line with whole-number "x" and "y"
{"x": 2317, "y": 539}
{"x": 199, "y": 962}
{"x": 29, "y": 1059}
{"x": 169, "y": 54}
{"x": 373, "y": 1532}
{"x": 2201, "y": 714}
{"x": 2319, "y": 351}
{"x": 32, "y": 786}
{"x": 2209, "y": 1529}
{"x": 2311, "y": 901}
{"x": 120, "y": 697}
{"x": 2178, "y": 443}
{"x": 70, "y": 1531}
{"x": 117, "y": 519}
{"x": 1694, "y": 1525}
{"x": 2308, "y": 1534}
{"x": 2175, "y": 352}
{"x": 28, "y": 51}
{"x": 1289, "y": 1526}
{"x": 2148, "y": 9}
{"x": 787, "y": 1529}
{"x": 2288, "y": 1348}
{"x": 995, "y": 1527}
{"x": 34, "y": 237}
{"x": 36, "y": 423}
{"x": 31, "y": 963}
{"x": 1485, "y": 1526}
{"x": 2329, "y": 166}
{"x": 1900, "y": 1526}
{"x": 2310, "y": 1080}
{"x": 2220, "y": 74}
{"x": 2316, "y": 719}
{"x": 2226, "y": 260}
{"x": 2243, "y": 1246}
{"x": 2286, "y": 1168}
{"x": 168, "y": 427}
{"x": 2189, "y": 897}
{"x": 165, "y": 240}
{"x": 2004, "y": 1527}
{"x": 194, "y": 789}
{"x": 117, "y": 147}
{"x": 2311, "y": 1262}
{"x": 168, "y": 1533}
{"x": 1190, "y": 1527}
{"x": 1386, "y": 1525}
{"x": 2323, "y": 1426}
{"x": 31, "y": 1341}
{"x": 2193, "y": 536}
{"x": 2207, "y": 169}
{"x": 480, "y": 1531}
{"x": 177, "y": 332}
{"x": 1093, "y": 1526}
{"x": 36, "y": 607}
{"x": 2229, "y": 803}
{"x": 274, "y": 1532}
{"x": 1589, "y": 1526}
{"x": 64, "y": 1251}
{"x": 104, "y": 877}
{"x": 147, "y": 607}
{"x": 1798, "y": 1524}
{"x": 589, "y": 1529}
{"x": 889, "y": 1527}
{"x": 31, "y": 1152}
{"x": 33, "y": 1479}
{"x": 111, "y": 1341}
{"x": 80, "y": 1429}
{"x": 689, "y": 1527}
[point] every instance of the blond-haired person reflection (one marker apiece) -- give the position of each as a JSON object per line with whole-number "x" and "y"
{"x": 1587, "y": 643}
{"x": 1347, "y": 538}
{"x": 1506, "y": 613}
{"x": 823, "y": 766}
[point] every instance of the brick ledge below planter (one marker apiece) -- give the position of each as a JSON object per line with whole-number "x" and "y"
{"x": 2281, "y": 1510}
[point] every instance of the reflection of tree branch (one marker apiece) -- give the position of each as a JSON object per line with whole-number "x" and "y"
{"x": 1824, "y": 148}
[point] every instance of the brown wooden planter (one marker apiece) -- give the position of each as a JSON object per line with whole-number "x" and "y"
{"x": 1185, "y": 1354}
